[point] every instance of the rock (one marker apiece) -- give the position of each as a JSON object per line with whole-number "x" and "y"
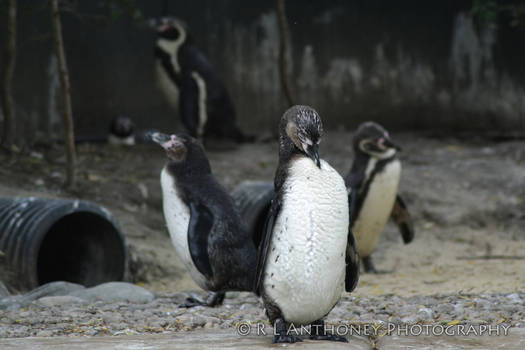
{"x": 3, "y": 290}
{"x": 58, "y": 288}
{"x": 13, "y": 302}
{"x": 44, "y": 333}
{"x": 425, "y": 314}
{"x": 115, "y": 292}
{"x": 59, "y": 300}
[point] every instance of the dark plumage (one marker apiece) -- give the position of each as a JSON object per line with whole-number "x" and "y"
{"x": 221, "y": 249}
{"x": 205, "y": 105}
{"x": 309, "y": 196}
{"x": 373, "y": 182}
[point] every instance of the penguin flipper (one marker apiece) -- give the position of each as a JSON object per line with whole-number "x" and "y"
{"x": 402, "y": 219}
{"x": 352, "y": 199}
{"x": 262, "y": 254}
{"x": 352, "y": 257}
{"x": 189, "y": 103}
{"x": 201, "y": 223}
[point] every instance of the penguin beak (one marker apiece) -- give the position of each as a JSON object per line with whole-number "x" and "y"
{"x": 166, "y": 141}
{"x": 313, "y": 152}
{"x": 159, "y": 24}
{"x": 385, "y": 143}
{"x": 158, "y": 137}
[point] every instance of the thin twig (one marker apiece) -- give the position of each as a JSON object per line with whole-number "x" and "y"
{"x": 65, "y": 92}
{"x": 283, "y": 49}
{"x": 8, "y": 104}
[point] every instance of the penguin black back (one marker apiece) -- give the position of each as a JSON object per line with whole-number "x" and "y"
{"x": 205, "y": 105}
{"x": 211, "y": 240}
{"x": 373, "y": 183}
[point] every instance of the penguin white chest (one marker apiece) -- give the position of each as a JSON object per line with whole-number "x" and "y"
{"x": 376, "y": 207}
{"x": 305, "y": 267}
{"x": 167, "y": 86}
{"x": 177, "y": 216}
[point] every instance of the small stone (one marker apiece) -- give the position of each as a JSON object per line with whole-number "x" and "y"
{"x": 116, "y": 291}
{"x": 44, "y": 333}
{"x": 59, "y": 301}
{"x": 52, "y": 289}
{"x": 3, "y": 290}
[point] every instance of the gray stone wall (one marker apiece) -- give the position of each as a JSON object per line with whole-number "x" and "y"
{"x": 406, "y": 64}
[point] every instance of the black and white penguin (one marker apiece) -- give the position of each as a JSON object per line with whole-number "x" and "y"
{"x": 373, "y": 184}
{"x": 203, "y": 222}
{"x": 307, "y": 256}
{"x": 189, "y": 83}
{"x": 121, "y": 131}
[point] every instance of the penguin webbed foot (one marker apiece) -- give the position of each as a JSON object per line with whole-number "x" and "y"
{"x": 213, "y": 299}
{"x": 329, "y": 337}
{"x": 370, "y": 268}
{"x": 286, "y": 338}
{"x": 318, "y": 330}
{"x": 192, "y": 302}
{"x": 281, "y": 333}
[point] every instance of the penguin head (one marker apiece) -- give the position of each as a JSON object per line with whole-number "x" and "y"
{"x": 171, "y": 29}
{"x": 185, "y": 154}
{"x": 121, "y": 126}
{"x": 372, "y": 139}
{"x": 303, "y": 127}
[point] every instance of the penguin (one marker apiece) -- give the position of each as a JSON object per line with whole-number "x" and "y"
{"x": 307, "y": 256}
{"x": 190, "y": 84}
{"x": 121, "y": 131}
{"x": 373, "y": 182}
{"x": 203, "y": 222}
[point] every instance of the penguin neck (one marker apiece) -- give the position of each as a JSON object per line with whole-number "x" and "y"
{"x": 187, "y": 171}
{"x": 287, "y": 151}
{"x": 357, "y": 172}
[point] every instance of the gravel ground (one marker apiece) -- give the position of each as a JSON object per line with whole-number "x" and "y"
{"x": 465, "y": 194}
{"x": 58, "y": 316}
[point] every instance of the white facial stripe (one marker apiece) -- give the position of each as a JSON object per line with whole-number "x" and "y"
{"x": 172, "y": 46}
{"x": 380, "y": 155}
{"x": 384, "y": 155}
{"x": 362, "y": 145}
{"x": 203, "y": 115}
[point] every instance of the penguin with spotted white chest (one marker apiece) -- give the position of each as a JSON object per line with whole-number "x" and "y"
{"x": 190, "y": 84}
{"x": 373, "y": 183}
{"x": 203, "y": 222}
{"x": 307, "y": 256}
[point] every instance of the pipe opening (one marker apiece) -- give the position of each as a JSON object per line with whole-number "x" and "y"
{"x": 83, "y": 248}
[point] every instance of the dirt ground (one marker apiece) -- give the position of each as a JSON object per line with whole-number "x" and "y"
{"x": 466, "y": 196}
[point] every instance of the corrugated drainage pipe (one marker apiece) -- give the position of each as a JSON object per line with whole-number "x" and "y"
{"x": 253, "y": 200}
{"x": 48, "y": 240}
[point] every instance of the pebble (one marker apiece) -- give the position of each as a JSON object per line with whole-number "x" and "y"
{"x": 46, "y": 317}
{"x": 59, "y": 300}
{"x": 115, "y": 291}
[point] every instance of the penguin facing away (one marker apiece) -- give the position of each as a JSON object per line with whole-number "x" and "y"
{"x": 190, "y": 85}
{"x": 203, "y": 222}
{"x": 121, "y": 131}
{"x": 307, "y": 255}
{"x": 373, "y": 183}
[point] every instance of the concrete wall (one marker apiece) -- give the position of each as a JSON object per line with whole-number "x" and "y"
{"x": 406, "y": 64}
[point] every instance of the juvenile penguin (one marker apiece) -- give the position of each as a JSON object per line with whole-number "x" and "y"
{"x": 307, "y": 255}
{"x": 373, "y": 182}
{"x": 203, "y": 223}
{"x": 121, "y": 131}
{"x": 189, "y": 83}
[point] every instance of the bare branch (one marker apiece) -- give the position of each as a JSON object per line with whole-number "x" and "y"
{"x": 283, "y": 48}
{"x": 8, "y": 105}
{"x": 65, "y": 92}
